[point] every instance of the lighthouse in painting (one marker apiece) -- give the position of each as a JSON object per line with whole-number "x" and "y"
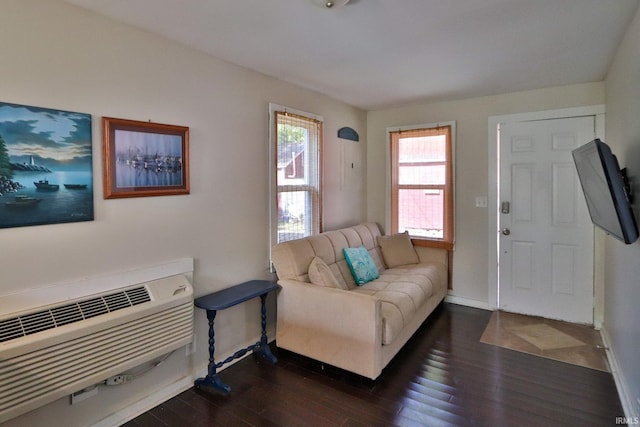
{"x": 30, "y": 166}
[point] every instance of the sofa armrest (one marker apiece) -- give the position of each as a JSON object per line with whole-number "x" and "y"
{"x": 335, "y": 326}
{"x": 436, "y": 255}
{"x": 427, "y": 254}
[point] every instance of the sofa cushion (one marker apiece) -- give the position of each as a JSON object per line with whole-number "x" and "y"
{"x": 361, "y": 265}
{"x": 402, "y": 291}
{"x": 397, "y": 249}
{"x": 292, "y": 258}
{"x": 320, "y": 274}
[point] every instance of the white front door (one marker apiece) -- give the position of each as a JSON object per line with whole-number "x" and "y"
{"x": 545, "y": 257}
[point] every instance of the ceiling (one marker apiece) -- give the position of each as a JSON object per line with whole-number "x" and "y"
{"x": 376, "y": 54}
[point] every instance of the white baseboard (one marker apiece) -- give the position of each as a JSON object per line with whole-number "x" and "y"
{"x": 623, "y": 390}
{"x": 172, "y": 390}
{"x": 468, "y": 302}
{"x": 149, "y": 402}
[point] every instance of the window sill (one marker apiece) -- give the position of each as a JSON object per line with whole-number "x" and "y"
{"x": 429, "y": 243}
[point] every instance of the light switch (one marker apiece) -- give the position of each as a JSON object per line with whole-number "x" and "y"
{"x": 481, "y": 202}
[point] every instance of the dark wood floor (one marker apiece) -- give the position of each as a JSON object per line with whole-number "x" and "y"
{"x": 444, "y": 376}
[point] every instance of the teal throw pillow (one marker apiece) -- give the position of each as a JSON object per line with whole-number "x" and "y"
{"x": 361, "y": 265}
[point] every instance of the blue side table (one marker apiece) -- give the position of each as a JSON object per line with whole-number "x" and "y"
{"x": 228, "y": 298}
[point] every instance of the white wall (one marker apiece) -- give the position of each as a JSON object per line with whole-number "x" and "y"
{"x": 471, "y": 115}
{"x": 59, "y": 56}
{"x": 622, "y": 262}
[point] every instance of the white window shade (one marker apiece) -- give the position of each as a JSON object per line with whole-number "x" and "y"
{"x": 296, "y": 141}
{"x": 421, "y": 165}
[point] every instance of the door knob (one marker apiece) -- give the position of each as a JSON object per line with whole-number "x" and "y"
{"x": 506, "y": 231}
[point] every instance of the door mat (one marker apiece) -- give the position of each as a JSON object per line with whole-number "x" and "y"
{"x": 566, "y": 342}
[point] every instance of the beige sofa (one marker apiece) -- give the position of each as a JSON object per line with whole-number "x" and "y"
{"x": 336, "y": 321}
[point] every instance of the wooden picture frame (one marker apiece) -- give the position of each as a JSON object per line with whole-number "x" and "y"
{"x": 144, "y": 159}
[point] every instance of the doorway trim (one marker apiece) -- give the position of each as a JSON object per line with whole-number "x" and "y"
{"x": 596, "y": 111}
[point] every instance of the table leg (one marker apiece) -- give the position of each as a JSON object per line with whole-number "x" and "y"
{"x": 264, "y": 349}
{"x": 212, "y": 380}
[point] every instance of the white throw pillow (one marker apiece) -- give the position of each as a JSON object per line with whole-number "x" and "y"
{"x": 320, "y": 274}
{"x": 397, "y": 250}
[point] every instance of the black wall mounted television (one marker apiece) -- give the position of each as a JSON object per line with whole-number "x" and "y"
{"x": 606, "y": 189}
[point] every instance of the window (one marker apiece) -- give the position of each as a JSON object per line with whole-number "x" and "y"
{"x": 421, "y": 160}
{"x": 296, "y": 147}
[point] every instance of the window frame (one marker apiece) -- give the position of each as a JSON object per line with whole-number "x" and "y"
{"x": 448, "y": 240}
{"x": 273, "y": 192}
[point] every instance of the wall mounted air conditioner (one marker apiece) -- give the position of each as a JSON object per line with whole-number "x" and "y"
{"x": 53, "y": 350}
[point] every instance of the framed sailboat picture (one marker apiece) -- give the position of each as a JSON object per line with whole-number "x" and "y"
{"x": 45, "y": 166}
{"x": 144, "y": 158}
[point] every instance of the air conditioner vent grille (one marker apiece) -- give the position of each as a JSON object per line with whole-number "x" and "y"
{"x": 67, "y": 314}
{"x": 10, "y": 329}
{"x": 59, "y": 316}
{"x": 37, "y": 322}
{"x": 138, "y": 295}
{"x": 117, "y": 301}
{"x": 93, "y": 307}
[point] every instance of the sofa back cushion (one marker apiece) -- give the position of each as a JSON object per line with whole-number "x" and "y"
{"x": 292, "y": 259}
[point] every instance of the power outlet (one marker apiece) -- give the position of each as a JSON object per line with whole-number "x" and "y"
{"x": 116, "y": 380}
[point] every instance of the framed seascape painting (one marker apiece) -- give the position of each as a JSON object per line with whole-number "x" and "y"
{"x": 144, "y": 158}
{"x": 45, "y": 166}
